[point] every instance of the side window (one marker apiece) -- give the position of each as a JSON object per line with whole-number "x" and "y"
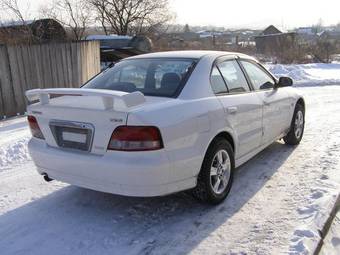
{"x": 217, "y": 83}
{"x": 259, "y": 78}
{"x": 233, "y": 76}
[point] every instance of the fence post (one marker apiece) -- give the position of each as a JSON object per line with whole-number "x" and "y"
{"x": 8, "y": 102}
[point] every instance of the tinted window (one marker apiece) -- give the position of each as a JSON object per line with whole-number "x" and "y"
{"x": 259, "y": 78}
{"x": 153, "y": 77}
{"x": 217, "y": 83}
{"x": 233, "y": 76}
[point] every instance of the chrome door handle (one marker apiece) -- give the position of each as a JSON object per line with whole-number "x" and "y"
{"x": 232, "y": 110}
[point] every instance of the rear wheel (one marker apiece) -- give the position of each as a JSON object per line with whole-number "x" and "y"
{"x": 215, "y": 178}
{"x": 297, "y": 126}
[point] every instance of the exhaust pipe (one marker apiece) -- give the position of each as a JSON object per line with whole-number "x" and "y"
{"x": 46, "y": 178}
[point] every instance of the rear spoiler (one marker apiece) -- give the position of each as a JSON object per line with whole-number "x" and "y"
{"x": 107, "y": 96}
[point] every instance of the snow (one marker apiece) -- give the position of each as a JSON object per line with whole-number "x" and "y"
{"x": 279, "y": 202}
{"x": 13, "y": 140}
{"x": 309, "y": 74}
{"x": 306, "y": 238}
{"x": 332, "y": 240}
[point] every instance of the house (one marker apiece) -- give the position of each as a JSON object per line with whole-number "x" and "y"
{"x": 187, "y": 36}
{"x": 307, "y": 35}
{"x": 306, "y": 31}
{"x": 330, "y": 35}
{"x": 271, "y": 30}
{"x": 272, "y": 40}
{"x": 209, "y": 34}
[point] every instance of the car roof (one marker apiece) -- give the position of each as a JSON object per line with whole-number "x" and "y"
{"x": 194, "y": 54}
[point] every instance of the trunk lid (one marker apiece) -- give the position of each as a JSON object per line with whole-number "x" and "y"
{"x": 80, "y": 123}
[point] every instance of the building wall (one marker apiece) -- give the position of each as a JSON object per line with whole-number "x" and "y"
{"x": 270, "y": 44}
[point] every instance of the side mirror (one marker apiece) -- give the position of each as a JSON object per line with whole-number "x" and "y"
{"x": 284, "y": 82}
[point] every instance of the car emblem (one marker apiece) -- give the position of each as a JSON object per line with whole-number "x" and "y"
{"x": 116, "y": 120}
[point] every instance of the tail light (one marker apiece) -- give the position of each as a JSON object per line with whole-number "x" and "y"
{"x": 35, "y": 129}
{"x": 135, "y": 138}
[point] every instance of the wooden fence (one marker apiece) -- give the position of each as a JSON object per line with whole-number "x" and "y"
{"x": 43, "y": 66}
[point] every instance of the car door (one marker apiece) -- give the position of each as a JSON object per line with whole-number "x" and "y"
{"x": 276, "y": 103}
{"x": 243, "y": 109}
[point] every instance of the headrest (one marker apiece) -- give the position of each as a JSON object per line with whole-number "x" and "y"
{"x": 170, "y": 81}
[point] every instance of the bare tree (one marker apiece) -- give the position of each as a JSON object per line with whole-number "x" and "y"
{"x": 12, "y": 7}
{"x": 1, "y": 15}
{"x": 20, "y": 17}
{"x": 73, "y": 14}
{"x": 125, "y": 17}
{"x": 186, "y": 28}
{"x": 100, "y": 16}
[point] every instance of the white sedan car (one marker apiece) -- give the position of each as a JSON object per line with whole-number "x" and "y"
{"x": 160, "y": 123}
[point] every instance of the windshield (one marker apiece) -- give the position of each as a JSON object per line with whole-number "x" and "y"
{"x": 152, "y": 77}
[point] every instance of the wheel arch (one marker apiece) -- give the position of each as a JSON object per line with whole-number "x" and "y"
{"x": 202, "y": 189}
{"x": 226, "y": 135}
{"x": 301, "y": 101}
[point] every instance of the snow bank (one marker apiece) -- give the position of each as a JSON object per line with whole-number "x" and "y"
{"x": 307, "y": 237}
{"x": 331, "y": 244}
{"x": 13, "y": 142}
{"x": 309, "y": 74}
{"x": 14, "y": 153}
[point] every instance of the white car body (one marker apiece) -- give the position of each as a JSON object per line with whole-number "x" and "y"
{"x": 188, "y": 123}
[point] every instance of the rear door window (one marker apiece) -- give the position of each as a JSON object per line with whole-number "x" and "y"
{"x": 233, "y": 76}
{"x": 217, "y": 82}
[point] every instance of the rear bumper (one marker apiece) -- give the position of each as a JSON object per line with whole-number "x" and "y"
{"x": 125, "y": 173}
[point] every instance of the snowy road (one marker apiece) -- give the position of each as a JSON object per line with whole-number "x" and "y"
{"x": 277, "y": 204}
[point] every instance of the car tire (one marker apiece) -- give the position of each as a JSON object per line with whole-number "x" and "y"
{"x": 216, "y": 175}
{"x": 297, "y": 126}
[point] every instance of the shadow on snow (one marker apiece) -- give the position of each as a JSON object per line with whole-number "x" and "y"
{"x": 73, "y": 220}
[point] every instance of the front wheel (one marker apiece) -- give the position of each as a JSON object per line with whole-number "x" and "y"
{"x": 216, "y": 175}
{"x": 297, "y": 126}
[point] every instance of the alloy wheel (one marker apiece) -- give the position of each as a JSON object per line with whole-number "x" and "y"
{"x": 298, "y": 128}
{"x": 220, "y": 171}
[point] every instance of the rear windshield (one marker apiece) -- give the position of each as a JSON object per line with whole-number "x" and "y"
{"x": 152, "y": 77}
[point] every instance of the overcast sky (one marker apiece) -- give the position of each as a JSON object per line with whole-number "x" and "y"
{"x": 285, "y": 14}
{"x": 257, "y": 13}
